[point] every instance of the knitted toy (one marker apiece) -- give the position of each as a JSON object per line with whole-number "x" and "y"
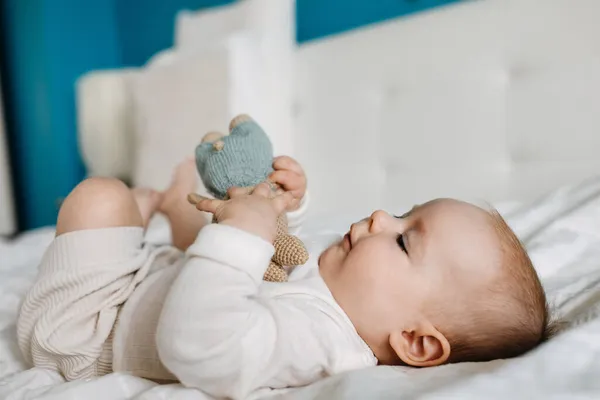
{"x": 244, "y": 159}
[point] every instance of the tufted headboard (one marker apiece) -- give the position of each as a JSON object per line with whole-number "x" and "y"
{"x": 486, "y": 100}
{"x": 492, "y": 100}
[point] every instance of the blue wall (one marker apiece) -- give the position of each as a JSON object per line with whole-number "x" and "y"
{"x": 48, "y": 44}
{"x": 146, "y": 26}
{"x": 318, "y": 18}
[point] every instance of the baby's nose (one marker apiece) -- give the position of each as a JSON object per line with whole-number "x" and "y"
{"x": 378, "y": 214}
{"x": 377, "y": 221}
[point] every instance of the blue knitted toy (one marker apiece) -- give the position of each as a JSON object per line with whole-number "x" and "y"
{"x": 244, "y": 158}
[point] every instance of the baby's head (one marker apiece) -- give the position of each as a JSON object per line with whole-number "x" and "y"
{"x": 446, "y": 282}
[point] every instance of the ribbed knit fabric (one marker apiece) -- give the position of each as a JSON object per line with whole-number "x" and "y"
{"x": 67, "y": 319}
{"x": 134, "y": 342}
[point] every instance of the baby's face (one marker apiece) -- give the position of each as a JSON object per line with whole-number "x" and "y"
{"x": 391, "y": 274}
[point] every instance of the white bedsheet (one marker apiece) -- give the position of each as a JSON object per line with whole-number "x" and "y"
{"x": 562, "y": 233}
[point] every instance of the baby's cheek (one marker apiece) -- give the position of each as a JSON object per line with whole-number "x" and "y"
{"x": 364, "y": 268}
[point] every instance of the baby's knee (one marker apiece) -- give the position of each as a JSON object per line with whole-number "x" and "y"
{"x": 96, "y": 203}
{"x": 100, "y": 193}
{"x": 99, "y": 186}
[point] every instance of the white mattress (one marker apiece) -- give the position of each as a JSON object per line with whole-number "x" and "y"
{"x": 562, "y": 233}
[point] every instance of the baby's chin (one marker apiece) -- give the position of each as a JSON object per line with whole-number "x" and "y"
{"x": 331, "y": 258}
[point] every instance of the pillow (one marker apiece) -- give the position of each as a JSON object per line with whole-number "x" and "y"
{"x": 226, "y": 61}
{"x": 272, "y": 24}
{"x": 177, "y": 102}
{"x": 198, "y": 28}
{"x": 105, "y": 122}
{"x": 271, "y": 18}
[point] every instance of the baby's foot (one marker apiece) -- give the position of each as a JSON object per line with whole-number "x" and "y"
{"x": 183, "y": 182}
{"x": 148, "y": 201}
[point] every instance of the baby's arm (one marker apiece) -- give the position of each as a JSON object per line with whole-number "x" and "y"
{"x": 215, "y": 332}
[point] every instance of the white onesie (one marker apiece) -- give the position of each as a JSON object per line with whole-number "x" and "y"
{"x": 105, "y": 301}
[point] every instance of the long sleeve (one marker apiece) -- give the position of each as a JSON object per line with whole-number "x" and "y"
{"x": 218, "y": 333}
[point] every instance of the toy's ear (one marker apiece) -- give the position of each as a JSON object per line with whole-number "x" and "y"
{"x": 212, "y": 137}
{"x": 238, "y": 120}
{"x": 216, "y": 138}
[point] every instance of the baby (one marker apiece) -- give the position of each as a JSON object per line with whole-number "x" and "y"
{"x": 446, "y": 282}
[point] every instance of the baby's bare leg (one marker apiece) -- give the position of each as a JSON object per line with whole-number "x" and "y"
{"x": 185, "y": 220}
{"x": 106, "y": 202}
{"x": 148, "y": 201}
{"x": 98, "y": 203}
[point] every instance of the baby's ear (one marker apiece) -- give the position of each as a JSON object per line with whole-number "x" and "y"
{"x": 423, "y": 347}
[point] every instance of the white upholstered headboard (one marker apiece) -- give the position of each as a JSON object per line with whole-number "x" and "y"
{"x": 490, "y": 99}
{"x": 486, "y": 100}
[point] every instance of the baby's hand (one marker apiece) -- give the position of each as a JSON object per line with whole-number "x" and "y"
{"x": 254, "y": 213}
{"x": 289, "y": 175}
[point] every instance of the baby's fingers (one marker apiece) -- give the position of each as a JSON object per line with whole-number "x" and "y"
{"x": 204, "y": 203}
{"x": 282, "y": 202}
{"x": 290, "y": 181}
{"x": 262, "y": 189}
{"x": 287, "y": 163}
{"x": 194, "y": 198}
{"x": 209, "y": 205}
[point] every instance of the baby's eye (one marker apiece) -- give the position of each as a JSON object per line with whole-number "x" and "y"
{"x": 400, "y": 241}
{"x": 406, "y": 214}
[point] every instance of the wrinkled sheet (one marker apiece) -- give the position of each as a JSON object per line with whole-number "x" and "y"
{"x": 562, "y": 234}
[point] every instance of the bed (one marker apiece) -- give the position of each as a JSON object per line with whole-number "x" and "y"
{"x": 489, "y": 100}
